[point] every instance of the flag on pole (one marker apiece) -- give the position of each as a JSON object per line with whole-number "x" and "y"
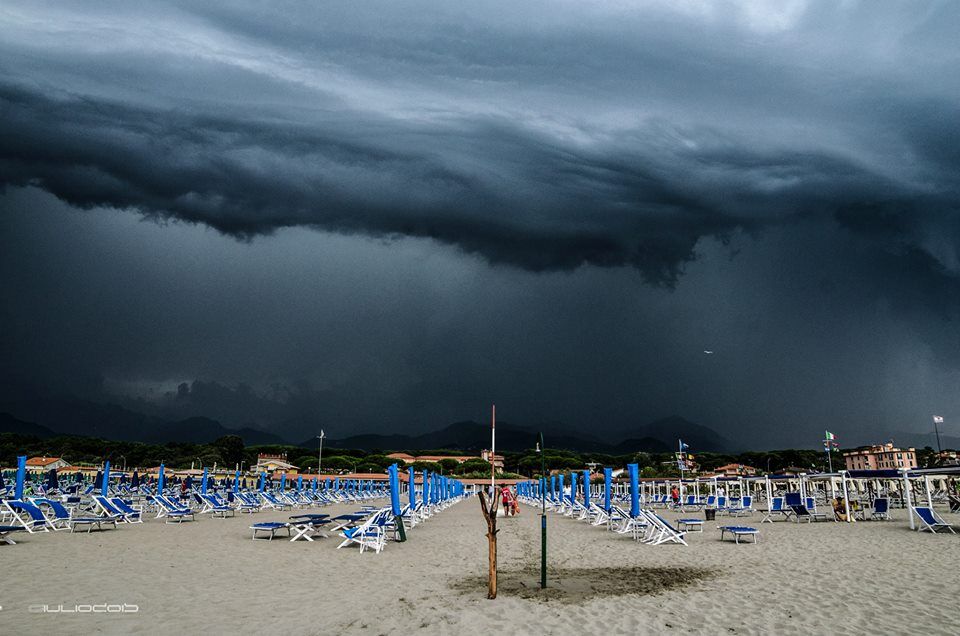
{"x": 938, "y": 419}
{"x": 829, "y": 436}
{"x": 683, "y": 446}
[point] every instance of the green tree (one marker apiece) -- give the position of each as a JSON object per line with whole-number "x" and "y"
{"x": 230, "y": 448}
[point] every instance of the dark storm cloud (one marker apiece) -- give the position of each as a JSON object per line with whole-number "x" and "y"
{"x": 540, "y": 190}
{"x": 787, "y": 169}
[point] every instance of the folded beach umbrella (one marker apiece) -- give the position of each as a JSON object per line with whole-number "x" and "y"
{"x": 135, "y": 480}
{"x": 106, "y": 478}
{"x": 160, "y": 481}
{"x": 52, "y": 481}
{"x": 203, "y": 481}
{"x": 413, "y": 490}
{"x": 263, "y": 480}
{"x": 607, "y": 479}
{"x": 283, "y": 481}
{"x": 394, "y": 489}
{"x": 2, "y": 485}
{"x": 21, "y": 476}
{"x": 123, "y": 478}
{"x": 336, "y": 484}
{"x": 633, "y": 469}
{"x": 244, "y": 483}
{"x": 586, "y": 488}
{"x": 236, "y": 481}
{"x": 98, "y": 480}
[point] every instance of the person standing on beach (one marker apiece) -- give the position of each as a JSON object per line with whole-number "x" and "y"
{"x": 675, "y": 495}
{"x": 505, "y": 494}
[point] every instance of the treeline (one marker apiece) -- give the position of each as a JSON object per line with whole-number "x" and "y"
{"x": 229, "y": 451}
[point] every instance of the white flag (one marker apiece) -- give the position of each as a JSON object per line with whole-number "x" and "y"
{"x": 938, "y": 419}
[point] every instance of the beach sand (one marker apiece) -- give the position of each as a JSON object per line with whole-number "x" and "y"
{"x": 208, "y": 576}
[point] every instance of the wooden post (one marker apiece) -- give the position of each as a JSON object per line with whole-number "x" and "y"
{"x": 490, "y": 515}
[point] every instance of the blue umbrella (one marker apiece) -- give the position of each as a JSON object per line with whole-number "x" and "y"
{"x": 135, "y": 481}
{"x": 394, "y": 489}
{"x": 160, "y": 481}
{"x": 299, "y": 482}
{"x": 413, "y": 491}
{"x": 203, "y": 481}
{"x": 263, "y": 481}
{"x": 52, "y": 481}
{"x": 283, "y": 481}
{"x": 106, "y": 478}
{"x": 607, "y": 478}
{"x": 21, "y": 476}
{"x": 634, "y": 490}
{"x": 123, "y": 478}
{"x": 236, "y": 481}
{"x": 586, "y": 489}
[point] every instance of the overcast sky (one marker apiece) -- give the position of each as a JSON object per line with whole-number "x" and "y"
{"x": 385, "y": 216}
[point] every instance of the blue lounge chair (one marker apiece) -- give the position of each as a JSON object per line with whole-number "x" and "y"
{"x": 931, "y": 521}
{"x": 119, "y": 509}
{"x": 739, "y": 531}
{"x": 881, "y": 509}
{"x": 776, "y": 509}
{"x": 802, "y": 513}
{"x": 270, "y": 528}
{"x": 63, "y": 519}
{"x": 28, "y": 516}
{"x": 173, "y": 512}
{"x": 371, "y": 534}
{"x": 690, "y": 525}
{"x": 6, "y": 531}
{"x": 216, "y": 507}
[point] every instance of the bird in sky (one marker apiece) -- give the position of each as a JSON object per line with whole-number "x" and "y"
{"x": 708, "y": 352}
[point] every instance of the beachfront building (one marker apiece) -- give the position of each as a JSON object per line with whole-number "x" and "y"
{"x": 274, "y": 463}
{"x": 406, "y": 458}
{"x": 948, "y": 458}
{"x": 880, "y": 457}
{"x": 735, "y": 470}
{"x": 47, "y": 463}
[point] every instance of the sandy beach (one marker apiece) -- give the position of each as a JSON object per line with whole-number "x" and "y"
{"x": 822, "y": 578}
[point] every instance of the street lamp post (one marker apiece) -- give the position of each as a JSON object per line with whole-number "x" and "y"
{"x": 320, "y": 451}
{"x": 543, "y": 513}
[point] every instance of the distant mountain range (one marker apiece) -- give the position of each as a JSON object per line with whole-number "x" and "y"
{"x": 656, "y": 437}
{"x": 70, "y": 416}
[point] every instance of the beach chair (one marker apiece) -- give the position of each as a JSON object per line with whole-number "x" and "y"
{"x": 739, "y": 531}
{"x": 803, "y": 513}
{"x": 216, "y": 507}
{"x": 370, "y": 534}
{"x": 881, "y": 509}
{"x": 6, "y": 531}
{"x": 661, "y": 531}
{"x": 62, "y": 518}
{"x": 28, "y": 516}
{"x": 271, "y": 500}
{"x": 308, "y": 526}
{"x": 690, "y": 525}
{"x": 745, "y": 507}
{"x": 171, "y": 511}
{"x": 931, "y": 521}
{"x": 270, "y": 528}
{"x": 118, "y": 509}
{"x": 776, "y": 510}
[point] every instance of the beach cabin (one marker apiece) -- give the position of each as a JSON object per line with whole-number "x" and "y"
{"x": 45, "y": 464}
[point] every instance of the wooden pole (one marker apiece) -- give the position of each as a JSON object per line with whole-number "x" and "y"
{"x": 490, "y": 515}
